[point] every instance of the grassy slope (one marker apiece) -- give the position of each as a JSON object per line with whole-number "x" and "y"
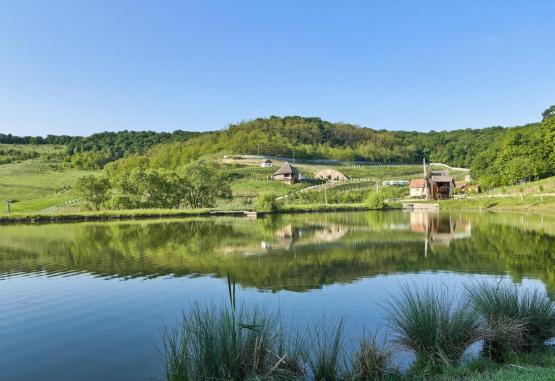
{"x": 537, "y": 196}
{"x": 38, "y": 183}
{"x": 541, "y": 186}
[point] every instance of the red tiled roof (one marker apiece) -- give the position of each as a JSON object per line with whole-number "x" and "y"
{"x": 417, "y": 183}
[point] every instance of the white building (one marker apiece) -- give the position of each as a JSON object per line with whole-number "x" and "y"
{"x": 267, "y": 163}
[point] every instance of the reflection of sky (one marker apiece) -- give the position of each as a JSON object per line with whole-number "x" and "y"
{"x": 87, "y": 328}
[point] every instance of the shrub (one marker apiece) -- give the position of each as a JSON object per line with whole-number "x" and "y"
{"x": 433, "y": 325}
{"x": 267, "y": 203}
{"x": 514, "y": 321}
{"x": 376, "y": 200}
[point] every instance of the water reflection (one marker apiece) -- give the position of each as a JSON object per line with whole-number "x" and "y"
{"x": 296, "y": 252}
{"x": 438, "y": 229}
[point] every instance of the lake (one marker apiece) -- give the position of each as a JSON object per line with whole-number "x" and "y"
{"x": 87, "y": 300}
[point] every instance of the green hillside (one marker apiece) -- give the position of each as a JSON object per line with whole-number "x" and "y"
{"x": 39, "y": 174}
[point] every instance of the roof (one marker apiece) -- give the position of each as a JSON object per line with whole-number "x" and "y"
{"x": 286, "y": 168}
{"x": 439, "y": 173}
{"x": 329, "y": 172}
{"x": 267, "y": 161}
{"x": 417, "y": 183}
{"x": 442, "y": 179}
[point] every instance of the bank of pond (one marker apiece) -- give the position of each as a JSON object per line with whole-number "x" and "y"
{"x": 488, "y": 328}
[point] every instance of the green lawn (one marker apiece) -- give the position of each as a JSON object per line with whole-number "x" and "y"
{"x": 541, "y": 186}
{"x": 36, "y": 184}
{"x": 525, "y": 203}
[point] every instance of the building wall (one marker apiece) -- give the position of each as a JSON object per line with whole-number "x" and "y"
{"x": 417, "y": 192}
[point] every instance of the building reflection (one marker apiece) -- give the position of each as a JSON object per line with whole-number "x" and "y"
{"x": 290, "y": 235}
{"x": 439, "y": 229}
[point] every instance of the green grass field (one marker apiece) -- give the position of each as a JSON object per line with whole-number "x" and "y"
{"x": 541, "y": 186}
{"x": 38, "y": 183}
{"x": 525, "y": 203}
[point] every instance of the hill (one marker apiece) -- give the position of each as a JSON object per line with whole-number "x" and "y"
{"x": 496, "y": 155}
{"x": 41, "y": 172}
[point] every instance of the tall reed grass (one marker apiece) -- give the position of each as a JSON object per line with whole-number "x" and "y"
{"x": 514, "y": 321}
{"x": 235, "y": 342}
{"x": 434, "y": 325}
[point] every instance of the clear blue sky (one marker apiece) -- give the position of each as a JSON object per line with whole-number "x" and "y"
{"x": 78, "y": 67}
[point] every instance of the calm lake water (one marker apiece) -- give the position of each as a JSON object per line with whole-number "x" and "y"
{"x": 86, "y": 301}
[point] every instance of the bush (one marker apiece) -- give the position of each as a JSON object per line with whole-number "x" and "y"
{"x": 514, "y": 321}
{"x": 376, "y": 200}
{"x": 433, "y": 325}
{"x": 267, "y": 203}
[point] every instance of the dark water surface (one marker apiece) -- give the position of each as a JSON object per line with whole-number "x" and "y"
{"x": 86, "y": 301}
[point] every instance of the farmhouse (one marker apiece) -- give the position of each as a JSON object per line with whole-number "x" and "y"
{"x": 417, "y": 188}
{"x": 330, "y": 174}
{"x": 267, "y": 163}
{"x": 287, "y": 173}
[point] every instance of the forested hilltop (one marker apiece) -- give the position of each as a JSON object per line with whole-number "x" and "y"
{"x": 496, "y": 155}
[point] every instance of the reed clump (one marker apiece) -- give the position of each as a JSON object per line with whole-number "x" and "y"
{"x": 238, "y": 343}
{"x": 515, "y": 321}
{"x": 372, "y": 362}
{"x": 433, "y": 325}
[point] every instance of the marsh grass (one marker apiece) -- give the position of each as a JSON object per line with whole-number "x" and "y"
{"x": 372, "y": 362}
{"x": 515, "y": 321}
{"x": 326, "y": 359}
{"x": 231, "y": 343}
{"x": 433, "y": 325}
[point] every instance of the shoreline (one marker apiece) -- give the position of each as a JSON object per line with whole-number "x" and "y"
{"x": 527, "y": 204}
{"x": 139, "y": 214}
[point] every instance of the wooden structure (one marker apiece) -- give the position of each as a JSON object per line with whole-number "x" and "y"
{"x": 330, "y": 174}
{"x": 436, "y": 185}
{"x": 287, "y": 173}
{"x": 441, "y": 186}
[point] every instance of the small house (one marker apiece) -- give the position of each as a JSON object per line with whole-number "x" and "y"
{"x": 267, "y": 163}
{"x": 287, "y": 173}
{"x": 417, "y": 188}
{"x": 330, "y": 174}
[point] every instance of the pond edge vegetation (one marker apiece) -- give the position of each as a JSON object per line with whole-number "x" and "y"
{"x": 240, "y": 342}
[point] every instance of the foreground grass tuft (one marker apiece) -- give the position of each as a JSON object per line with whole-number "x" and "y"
{"x": 434, "y": 326}
{"x": 222, "y": 344}
{"x": 515, "y": 321}
{"x": 370, "y": 362}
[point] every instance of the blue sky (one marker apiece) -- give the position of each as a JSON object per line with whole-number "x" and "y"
{"x": 78, "y": 67}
